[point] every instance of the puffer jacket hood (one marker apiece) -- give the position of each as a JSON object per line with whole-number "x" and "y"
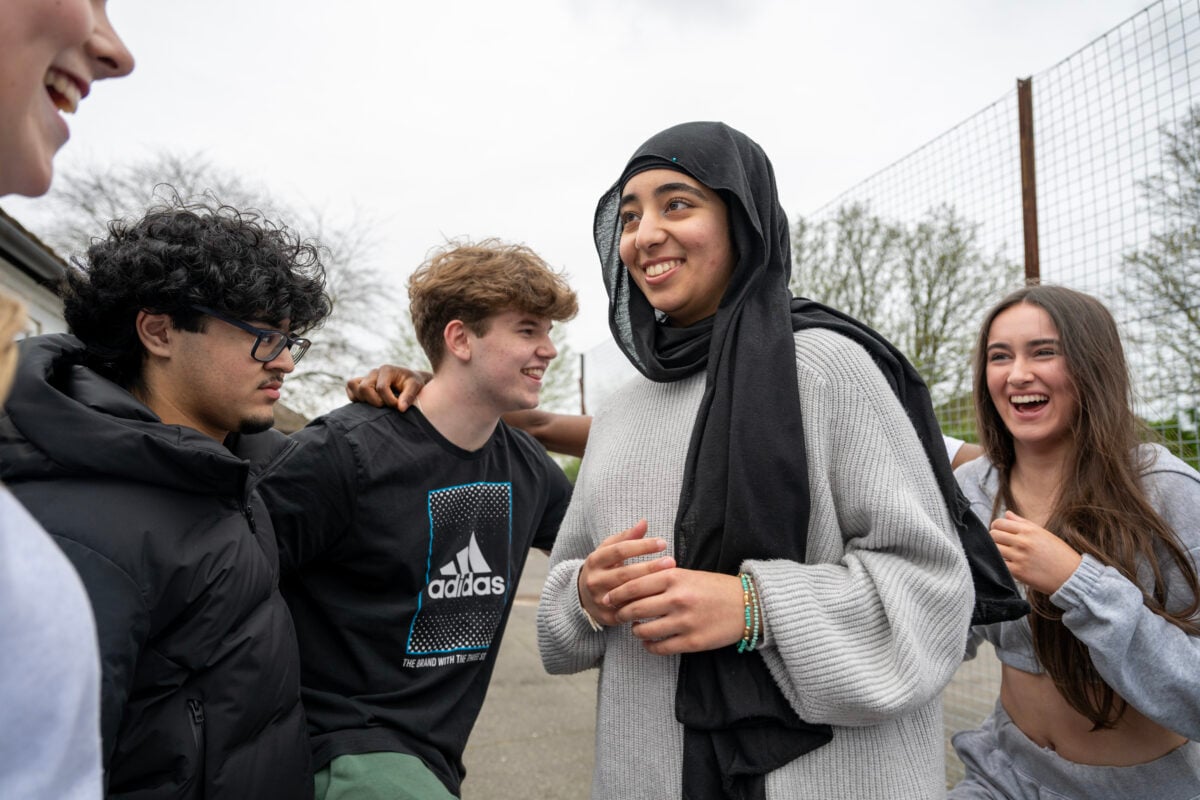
{"x": 65, "y": 420}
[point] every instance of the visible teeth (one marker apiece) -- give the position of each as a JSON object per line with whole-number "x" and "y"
{"x": 654, "y": 270}
{"x": 534, "y": 373}
{"x": 1019, "y": 399}
{"x": 66, "y": 93}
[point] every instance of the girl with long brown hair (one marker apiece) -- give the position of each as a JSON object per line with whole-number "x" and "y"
{"x": 1100, "y": 694}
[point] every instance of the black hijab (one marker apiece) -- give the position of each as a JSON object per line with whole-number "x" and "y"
{"x": 745, "y": 485}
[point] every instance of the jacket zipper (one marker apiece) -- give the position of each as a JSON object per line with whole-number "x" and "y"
{"x": 196, "y": 712}
{"x": 256, "y": 477}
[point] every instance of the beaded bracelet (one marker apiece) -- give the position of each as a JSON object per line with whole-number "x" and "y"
{"x": 592, "y": 621}
{"x": 752, "y": 614}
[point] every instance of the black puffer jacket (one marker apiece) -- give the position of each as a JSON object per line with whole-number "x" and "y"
{"x": 201, "y": 683}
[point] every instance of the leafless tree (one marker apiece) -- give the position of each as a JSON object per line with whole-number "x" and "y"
{"x": 924, "y": 286}
{"x": 845, "y": 262}
{"x": 83, "y": 202}
{"x": 1166, "y": 270}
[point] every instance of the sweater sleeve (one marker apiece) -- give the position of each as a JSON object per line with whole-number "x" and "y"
{"x": 565, "y": 637}
{"x": 874, "y": 625}
{"x": 1145, "y": 658}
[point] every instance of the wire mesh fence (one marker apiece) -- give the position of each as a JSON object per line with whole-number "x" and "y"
{"x": 1116, "y": 133}
{"x": 923, "y": 247}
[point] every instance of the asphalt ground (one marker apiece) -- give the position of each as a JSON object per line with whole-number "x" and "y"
{"x": 534, "y": 738}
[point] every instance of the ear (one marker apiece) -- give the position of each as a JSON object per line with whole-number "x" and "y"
{"x": 458, "y": 340}
{"x": 155, "y": 331}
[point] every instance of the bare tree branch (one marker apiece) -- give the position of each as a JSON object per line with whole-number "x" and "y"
{"x": 1167, "y": 270}
{"x": 923, "y": 286}
{"x": 83, "y": 202}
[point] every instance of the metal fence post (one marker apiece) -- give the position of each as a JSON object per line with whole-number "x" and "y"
{"x": 1028, "y": 180}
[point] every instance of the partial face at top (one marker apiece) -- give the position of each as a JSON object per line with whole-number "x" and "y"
{"x": 1028, "y": 380}
{"x": 50, "y": 53}
{"x": 676, "y": 244}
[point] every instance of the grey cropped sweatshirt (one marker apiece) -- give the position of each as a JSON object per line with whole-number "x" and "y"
{"x": 1150, "y": 662}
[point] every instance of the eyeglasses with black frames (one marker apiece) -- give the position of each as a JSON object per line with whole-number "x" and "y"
{"x": 268, "y": 344}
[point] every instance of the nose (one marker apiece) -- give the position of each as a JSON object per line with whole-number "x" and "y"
{"x": 283, "y": 362}
{"x": 1019, "y": 372}
{"x": 649, "y": 233}
{"x": 106, "y": 50}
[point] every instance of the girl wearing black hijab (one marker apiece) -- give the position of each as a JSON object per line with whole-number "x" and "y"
{"x": 792, "y": 595}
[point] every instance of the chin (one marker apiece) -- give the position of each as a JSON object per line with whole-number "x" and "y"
{"x": 34, "y": 183}
{"x": 249, "y": 426}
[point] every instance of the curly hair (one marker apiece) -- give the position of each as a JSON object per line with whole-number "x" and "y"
{"x": 182, "y": 254}
{"x": 472, "y": 282}
{"x": 1101, "y": 508}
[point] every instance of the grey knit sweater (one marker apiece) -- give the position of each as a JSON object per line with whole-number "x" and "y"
{"x": 863, "y": 636}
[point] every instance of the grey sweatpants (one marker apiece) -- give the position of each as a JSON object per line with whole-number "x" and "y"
{"x": 1003, "y": 763}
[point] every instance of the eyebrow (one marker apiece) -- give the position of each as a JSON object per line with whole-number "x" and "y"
{"x": 1032, "y": 343}
{"x": 529, "y": 318}
{"x": 669, "y": 188}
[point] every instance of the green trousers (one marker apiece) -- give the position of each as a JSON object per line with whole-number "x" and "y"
{"x": 379, "y": 776}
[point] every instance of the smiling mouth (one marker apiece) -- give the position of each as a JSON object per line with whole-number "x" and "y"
{"x": 662, "y": 267}
{"x": 63, "y": 90}
{"x": 1025, "y": 402}
{"x": 534, "y": 372}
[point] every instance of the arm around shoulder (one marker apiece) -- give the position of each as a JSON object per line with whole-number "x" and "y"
{"x": 559, "y": 433}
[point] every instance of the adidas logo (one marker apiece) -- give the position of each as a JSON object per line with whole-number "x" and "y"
{"x": 466, "y": 575}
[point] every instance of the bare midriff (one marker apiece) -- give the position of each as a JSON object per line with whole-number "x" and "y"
{"x": 1043, "y": 714}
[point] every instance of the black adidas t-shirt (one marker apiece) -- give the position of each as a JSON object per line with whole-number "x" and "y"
{"x": 401, "y": 554}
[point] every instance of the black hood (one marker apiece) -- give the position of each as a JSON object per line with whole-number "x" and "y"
{"x": 63, "y": 419}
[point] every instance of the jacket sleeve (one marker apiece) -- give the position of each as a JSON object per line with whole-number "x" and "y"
{"x": 565, "y": 638}
{"x": 1145, "y": 658}
{"x": 310, "y": 494}
{"x": 122, "y": 628}
{"x": 874, "y": 624}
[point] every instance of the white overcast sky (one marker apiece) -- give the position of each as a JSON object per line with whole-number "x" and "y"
{"x": 483, "y": 118}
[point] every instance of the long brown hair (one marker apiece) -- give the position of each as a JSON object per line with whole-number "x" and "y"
{"x": 1101, "y": 508}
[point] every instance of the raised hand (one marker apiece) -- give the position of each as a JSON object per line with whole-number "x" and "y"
{"x": 1034, "y": 555}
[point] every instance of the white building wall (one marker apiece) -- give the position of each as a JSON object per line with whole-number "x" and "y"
{"x": 42, "y": 305}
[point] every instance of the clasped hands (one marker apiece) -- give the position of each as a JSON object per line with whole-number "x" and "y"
{"x": 671, "y": 609}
